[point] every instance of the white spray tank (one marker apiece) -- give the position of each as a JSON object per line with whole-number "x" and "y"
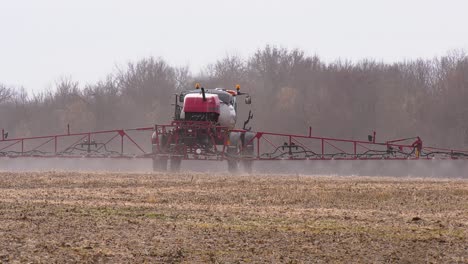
{"x": 227, "y": 115}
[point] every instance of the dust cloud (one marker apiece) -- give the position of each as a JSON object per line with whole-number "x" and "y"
{"x": 395, "y": 168}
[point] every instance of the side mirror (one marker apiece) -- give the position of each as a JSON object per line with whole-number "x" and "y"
{"x": 181, "y": 98}
{"x": 248, "y": 100}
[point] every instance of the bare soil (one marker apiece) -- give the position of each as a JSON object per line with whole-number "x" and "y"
{"x": 48, "y": 217}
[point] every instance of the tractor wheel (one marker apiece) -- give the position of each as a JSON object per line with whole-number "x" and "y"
{"x": 159, "y": 163}
{"x": 247, "y": 164}
{"x": 174, "y": 165}
{"x": 232, "y": 166}
{"x": 248, "y": 151}
{"x": 233, "y": 162}
{"x": 232, "y": 152}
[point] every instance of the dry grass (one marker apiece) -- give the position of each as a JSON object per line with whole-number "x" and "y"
{"x": 110, "y": 217}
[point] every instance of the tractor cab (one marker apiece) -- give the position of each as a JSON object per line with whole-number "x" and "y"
{"x": 215, "y": 105}
{"x": 225, "y": 96}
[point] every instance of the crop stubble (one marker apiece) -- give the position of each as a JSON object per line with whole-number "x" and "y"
{"x": 188, "y": 217}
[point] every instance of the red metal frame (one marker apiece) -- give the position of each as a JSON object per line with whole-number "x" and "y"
{"x": 214, "y": 134}
{"x": 322, "y": 154}
{"x": 267, "y": 145}
{"x": 7, "y": 146}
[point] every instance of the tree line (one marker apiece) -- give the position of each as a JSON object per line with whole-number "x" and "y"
{"x": 291, "y": 92}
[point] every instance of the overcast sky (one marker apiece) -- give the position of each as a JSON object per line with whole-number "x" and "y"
{"x": 41, "y": 41}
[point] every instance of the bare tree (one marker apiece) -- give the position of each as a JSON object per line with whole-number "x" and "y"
{"x": 291, "y": 91}
{"x": 5, "y": 93}
{"x": 183, "y": 78}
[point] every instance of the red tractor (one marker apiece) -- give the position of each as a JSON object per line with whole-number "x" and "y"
{"x": 203, "y": 129}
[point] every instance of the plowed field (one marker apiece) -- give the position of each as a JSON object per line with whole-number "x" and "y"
{"x": 68, "y": 217}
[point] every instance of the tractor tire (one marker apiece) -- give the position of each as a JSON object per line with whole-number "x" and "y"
{"x": 174, "y": 164}
{"x": 233, "y": 152}
{"x": 247, "y": 141}
{"x": 232, "y": 166}
{"x": 159, "y": 163}
{"x": 247, "y": 164}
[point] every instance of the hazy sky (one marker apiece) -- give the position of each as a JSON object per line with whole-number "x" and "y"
{"x": 41, "y": 41}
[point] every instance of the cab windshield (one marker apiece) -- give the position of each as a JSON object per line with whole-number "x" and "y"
{"x": 226, "y": 98}
{"x": 222, "y": 95}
